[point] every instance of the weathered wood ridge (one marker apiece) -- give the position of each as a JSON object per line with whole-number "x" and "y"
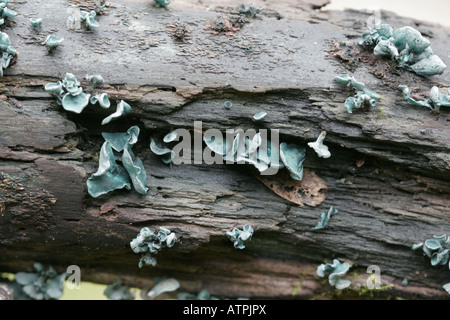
{"x": 388, "y": 175}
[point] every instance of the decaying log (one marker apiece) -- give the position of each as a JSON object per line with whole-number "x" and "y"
{"x": 388, "y": 175}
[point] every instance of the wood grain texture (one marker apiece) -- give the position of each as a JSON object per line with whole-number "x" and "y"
{"x": 281, "y": 63}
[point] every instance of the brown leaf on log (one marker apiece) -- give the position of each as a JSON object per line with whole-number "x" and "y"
{"x": 310, "y": 191}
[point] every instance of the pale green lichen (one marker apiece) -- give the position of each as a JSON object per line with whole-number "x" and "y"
{"x": 435, "y": 102}
{"x": 117, "y": 291}
{"x": 336, "y": 271}
{"x": 42, "y": 285}
{"x": 239, "y": 237}
{"x": 151, "y": 243}
{"x": 435, "y": 249}
{"x": 406, "y": 46}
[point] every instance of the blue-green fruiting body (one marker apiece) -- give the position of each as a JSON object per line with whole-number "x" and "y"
{"x": 53, "y": 41}
{"x": 239, "y": 237}
{"x": 162, "y": 3}
{"x": 325, "y": 218}
{"x": 435, "y": 249}
{"x": 249, "y": 10}
{"x": 36, "y": 22}
{"x": 362, "y": 98}
{"x": 292, "y": 157}
{"x": 350, "y": 81}
{"x": 42, "y": 285}
{"x": 111, "y": 176}
{"x": 337, "y": 271}
{"x": 406, "y": 46}
{"x": 149, "y": 242}
{"x": 117, "y": 291}
{"x": 122, "y": 109}
{"x": 160, "y": 148}
{"x": 259, "y": 116}
{"x": 435, "y": 102}
{"x": 89, "y": 19}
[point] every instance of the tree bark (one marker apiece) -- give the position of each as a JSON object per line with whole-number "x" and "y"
{"x": 388, "y": 174}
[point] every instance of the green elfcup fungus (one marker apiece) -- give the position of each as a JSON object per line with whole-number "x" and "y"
{"x": 110, "y": 176}
{"x": 259, "y": 116}
{"x": 447, "y": 287}
{"x": 75, "y": 103}
{"x": 407, "y": 48}
{"x": 89, "y": 19}
{"x": 362, "y": 98}
{"x": 292, "y": 157}
{"x": 349, "y": 81}
{"x": 167, "y": 285}
{"x": 170, "y": 137}
{"x": 6, "y": 12}
{"x": 159, "y": 148}
{"x": 239, "y": 237}
{"x": 42, "y": 285}
{"x": 325, "y": 218}
{"x": 122, "y": 109}
{"x": 117, "y": 291}
{"x": 162, "y": 3}
{"x": 435, "y": 249}
{"x": 149, "y": 242}
{"x": 95, "y": 79}
{"x": 435, "y": 102}
{"x": 52, "y": 42}
{"x": 7, "y": 52}
{"x": 102, "y": 100}
{"x": 228, "y": 104}
{"x": 36, "y": 22}
{"x": 249, "y": 10}
{"x": 336, "y": 271}
{"x": 318, "y": 146}
{"x": 119, "y": 141}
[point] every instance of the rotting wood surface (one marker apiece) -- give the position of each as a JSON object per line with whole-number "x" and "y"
{"x": 388, "y": 176}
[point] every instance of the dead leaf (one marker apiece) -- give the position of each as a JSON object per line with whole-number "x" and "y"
{"x": 310, "y": 191}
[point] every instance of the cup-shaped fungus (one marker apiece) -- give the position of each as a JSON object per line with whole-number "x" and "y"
{"x": 336, "y": 271}
{"x": 102, "y": 100}
{"x": 292, "y": 157}
{"x": 122, "y": 108}
{"x": 318, "y": 146}
{"x": 36, "y": 22}
{"x": 239, "y": 237}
